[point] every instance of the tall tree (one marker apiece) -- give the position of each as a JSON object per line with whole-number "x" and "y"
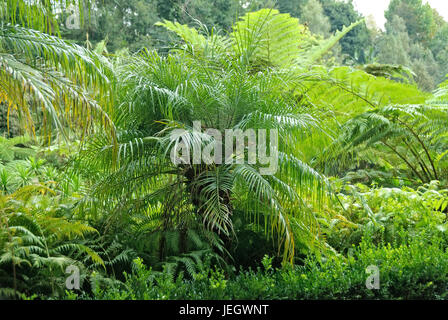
{"x": 343, "y": 14}
{"x": 213, "y": 13}
{"x": 313, "y": 15}
{"x": 293, "y": 7}
{"x": 418, "y": 17}
{"x": 396, "y": 47}
{"x": 124, "y": 23}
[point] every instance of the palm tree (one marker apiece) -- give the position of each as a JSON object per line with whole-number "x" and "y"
{"x": 43, "y": 75}
{"x": 225, "y": 84}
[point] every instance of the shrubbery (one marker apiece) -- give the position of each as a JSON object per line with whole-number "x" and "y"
{"x": 417, "y": 270}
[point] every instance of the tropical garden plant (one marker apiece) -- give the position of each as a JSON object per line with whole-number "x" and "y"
{"x": 88, "y": 180}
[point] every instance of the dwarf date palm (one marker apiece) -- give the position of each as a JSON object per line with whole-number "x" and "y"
{"x": 158, "y": 95}
{"x": 45, "y": 78}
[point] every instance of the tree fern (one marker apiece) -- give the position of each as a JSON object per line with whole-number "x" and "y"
{"x": 30, "y": 239}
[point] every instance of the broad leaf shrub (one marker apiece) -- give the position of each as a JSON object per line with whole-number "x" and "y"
{"x": 418, "y": 270}
{"x": 399, "y": 230}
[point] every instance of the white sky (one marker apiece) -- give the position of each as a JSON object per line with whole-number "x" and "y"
{"x": 377, "y": 8}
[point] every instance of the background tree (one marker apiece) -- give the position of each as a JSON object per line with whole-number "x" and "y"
{"x": 125, "y": 24}
{"x": 418, "y": 17}
{"x": 293, "y": 7}
{"x": 396, "y": 47}
{"x": 218, "y": 14}
{"x": 343, "y": 14}
{"x": 427, "y": 33}
{"x": 130, "y": 24}
{"x": 439, "y": 48}
{"x": 313, "y": 16}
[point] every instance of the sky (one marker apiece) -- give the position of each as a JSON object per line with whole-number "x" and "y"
{"x": 377, "y": 8}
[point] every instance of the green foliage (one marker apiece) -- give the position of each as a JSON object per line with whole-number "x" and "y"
{"x": 54, "y": 73}
{"x": 314, "y": 17}
{"x": 393, "y": 72}
{"x": 413, "y": 271}
{"x": 413, "y": 38}
{"x": 268, "y": 37}
{"x": 386, "y": 215}
{"x": 419, "y": 18}
{"x": 342, "y": 13}
{"x": 130, "y": 24}
{"x": 37, "y": 243}
{"x": 126, "y": 24}
{"x": 176, "y": 87}
{"x": 396, "y": 47}
{"x": 262, "y": 39}
{"x": 414, "y": 135}
{"x": 15, "y": 148}
{"x": 292, "y": 7}
{"x": 324, "y": 46}
{"x": 139, "y": 226}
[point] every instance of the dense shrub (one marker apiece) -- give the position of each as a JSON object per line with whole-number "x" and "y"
{"x": 415, "y": 271}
